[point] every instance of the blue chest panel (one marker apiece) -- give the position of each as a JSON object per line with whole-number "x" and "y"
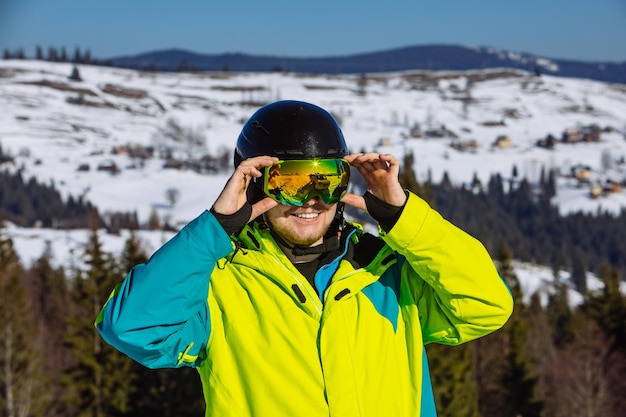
{"x": 385, "y": 293}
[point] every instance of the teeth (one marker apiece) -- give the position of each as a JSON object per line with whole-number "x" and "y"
{"x": 306, "y": 215}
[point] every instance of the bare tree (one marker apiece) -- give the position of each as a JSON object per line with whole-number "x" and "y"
{"x": 606, "y": 160}
{"x": 580, "y": 372}
{"x": 172, "y": 195}
{"x": 175, "y": 137}
{"x": 20, "y": 374}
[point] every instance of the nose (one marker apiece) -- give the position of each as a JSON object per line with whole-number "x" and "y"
{"x": 316, "y": 202}
{"x": 312, "y": 202}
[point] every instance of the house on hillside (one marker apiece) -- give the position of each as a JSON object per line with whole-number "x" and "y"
{"x": 465, "y": 146}
{"x": 384, "y": 141}
{"x": 207, "y": 164}
{"x": 611, "y": 186}
{"x": 134, "y": 151}
{"x": 494, "y": 123}
{"x": 571, "y": 135}
{"x": 173, "y": 163}
{"x": 590, "y": 133}
{"x": 439, "y": 132}
{"x": 503, "y": 141}
{"x": 120, "y": 150}
{"x": 108, "y": 166}
{"x": 415, "y": 131}
{"x": 596, "y": 191}
{"x": 6, "y": 159}
{"x": 608, "y": 187}
{"x": 549, "y": 142}
{"x": 141, "y": 152}
{"x": 84, "y": 167}
{"x": 581, "y": 172}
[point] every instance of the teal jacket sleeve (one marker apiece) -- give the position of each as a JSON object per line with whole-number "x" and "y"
{"x": 159, "y": 314}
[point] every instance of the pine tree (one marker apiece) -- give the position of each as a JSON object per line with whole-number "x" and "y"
{"x": 542, "y": 353}
{"x": 579, "y": 268}
{"x": 22, "y": 383}
{"x": 154, "y": 222}
{"x": 549, "y": 188}
{"x": 409, "y": 181}
{"x": 518, "y": 380}
{"x": 519, "y": 395}
{"x": 560, "y": 316}
{"x": 590, "y": 377}
{"x": 167, "y": 392}
{"x": 49, "y": 301}
{"x": 99, "y": 381}
{"x": 608, "y": 307}
{"x": 53, "y": 55}
{"x": 132, "y": 254}
{"x": 455, "y": 390}
{"x": 78, "y": 59}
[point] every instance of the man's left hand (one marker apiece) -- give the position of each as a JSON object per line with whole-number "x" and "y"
{"x": 380, "y": 172}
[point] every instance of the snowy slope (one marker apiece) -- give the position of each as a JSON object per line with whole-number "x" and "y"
{"x": 51, "y": 135}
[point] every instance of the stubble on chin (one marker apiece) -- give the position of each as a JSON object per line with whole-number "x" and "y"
{"x": 298, "y": 234}
{"x": 297, "y": 237}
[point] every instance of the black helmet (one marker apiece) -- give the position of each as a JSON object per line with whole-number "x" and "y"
{"x": 290, "y": 130}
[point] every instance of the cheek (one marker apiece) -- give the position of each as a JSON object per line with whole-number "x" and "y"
{"x": 274, "y": 213}
{"x": 276, "y": 218}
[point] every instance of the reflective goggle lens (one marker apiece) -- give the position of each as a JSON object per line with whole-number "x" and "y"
{"x": 294, "y": 182}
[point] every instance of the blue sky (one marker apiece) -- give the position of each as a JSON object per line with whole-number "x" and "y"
{"x": 586, "y": 30}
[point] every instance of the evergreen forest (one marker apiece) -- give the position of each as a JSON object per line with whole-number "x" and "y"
{"x": 549, "y": 360}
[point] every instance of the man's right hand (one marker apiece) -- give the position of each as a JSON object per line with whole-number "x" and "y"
{"x": 234, "y": 196}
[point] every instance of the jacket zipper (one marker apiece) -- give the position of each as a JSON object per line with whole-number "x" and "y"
{"x": 303, "y": 288}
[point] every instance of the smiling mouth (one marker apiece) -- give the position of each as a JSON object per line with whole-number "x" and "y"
{"x": 306, "y": 215}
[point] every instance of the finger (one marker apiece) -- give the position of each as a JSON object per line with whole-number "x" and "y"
{"x": 249, "y": 168}
{"x": 371, "y": 165}
{"x": 391, "y": 162}
{"x": 368, "y": 176}
{"x": 355, "y": 201}
{"x": 253, "y": 166}
{"x": 382, "y": 161}
{"x": 362, "y": 163}
{"x": 370, "y": 161}
{"x": 352, "y": 157}
{"x": 262, "y": 206}
{"x": 389, "y": 158}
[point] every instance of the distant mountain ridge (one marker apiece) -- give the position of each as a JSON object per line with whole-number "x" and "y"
{"x": 421, "y": 57}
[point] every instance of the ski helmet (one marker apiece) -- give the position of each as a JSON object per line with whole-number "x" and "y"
{"x": 290, "y": 129}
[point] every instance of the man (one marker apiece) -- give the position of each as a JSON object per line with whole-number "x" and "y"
{"x": 286, "y": 309}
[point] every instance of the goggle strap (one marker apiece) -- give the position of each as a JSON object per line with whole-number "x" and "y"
{"x": 342, "y": 220}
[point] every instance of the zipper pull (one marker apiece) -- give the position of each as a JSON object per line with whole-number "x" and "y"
{"x": 298, "y": 293}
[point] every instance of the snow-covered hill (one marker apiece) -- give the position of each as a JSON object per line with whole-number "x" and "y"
{"x": 67, "y": 248}
{"x": 63, "y": 130}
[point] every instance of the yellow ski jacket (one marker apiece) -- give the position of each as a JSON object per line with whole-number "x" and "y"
{"x": 267, "y": 344}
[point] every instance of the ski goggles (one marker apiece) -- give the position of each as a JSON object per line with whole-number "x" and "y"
{"x": 294, "y": 182}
